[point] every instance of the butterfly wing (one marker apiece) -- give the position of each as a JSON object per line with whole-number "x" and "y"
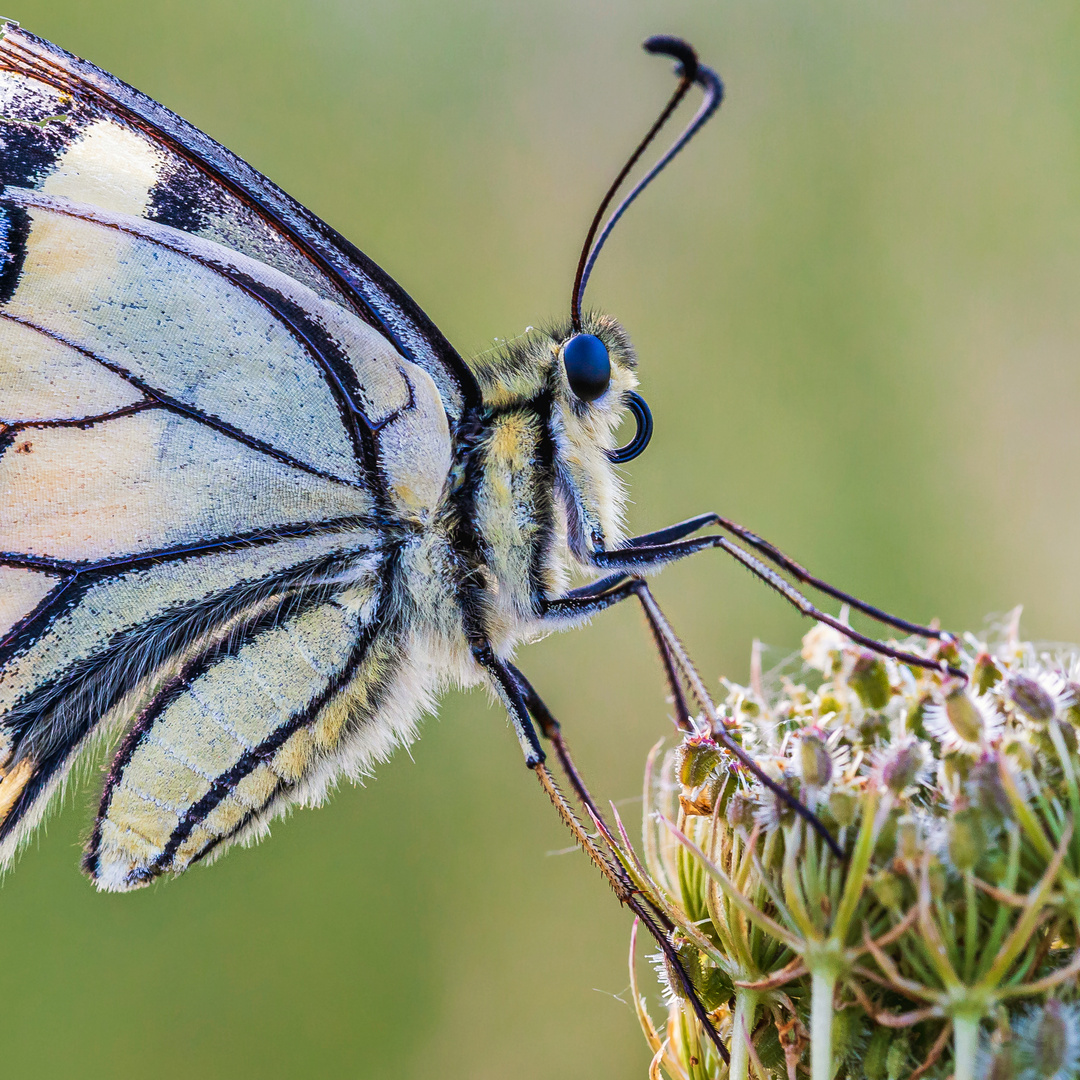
{"x": 189, "y": 181}
{"x": 201, "y": 453}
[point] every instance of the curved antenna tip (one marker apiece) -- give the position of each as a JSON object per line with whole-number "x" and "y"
{"x": 677, "y": 49}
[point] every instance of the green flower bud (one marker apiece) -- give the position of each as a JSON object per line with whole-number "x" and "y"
{"x": 964, "y": 716}
{"x": 697, "y": 756}
{"x": 953, "y": 772}
{"x": 913, "y": 722}
{"x": 908, "y": 838}
{"x": 986, "y": 674}
{"x": 885, "y": 843}
{"x": 888, "y": 889}
{"x": 896, "y": 1060}
{"x": 874, "y": 1066}
{"x": 1073, "y": 712}
{"x": 828, "y": 703}
{"x": 721, "y": 788}
{"x": 967, "y": 838}
{"x": 813, "y": 760}
{"x": 842, "y": 806}
{"x": 869, "y": 679}
{"x": 874, "y": 728}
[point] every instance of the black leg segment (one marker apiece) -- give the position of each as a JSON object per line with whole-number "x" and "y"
{"x": 778, "y": 558}
{"x": 636, "y": 558}
{"x": 506, "y": 686}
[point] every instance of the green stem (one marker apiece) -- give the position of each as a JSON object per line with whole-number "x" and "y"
{"x": 745, "y": 1008}
{"x": 971, "y": 925}
{"x": 822, "y": 984}
{"x": 965, "y": 1046}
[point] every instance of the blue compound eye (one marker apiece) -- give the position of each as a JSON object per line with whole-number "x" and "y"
{"x": 588, "y": 366}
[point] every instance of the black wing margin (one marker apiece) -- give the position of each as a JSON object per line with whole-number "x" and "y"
{"x": 207, "y": 190}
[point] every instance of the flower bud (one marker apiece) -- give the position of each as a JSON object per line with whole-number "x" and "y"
{"x": 914, "y": 721}
{"x": 896, "y": 1060}
{"x": 813, "y": 760}
{"x": 828, "y": 703}
{"x": 1073, "y": 690}
{"x": 964, "y": 716}
{"x": 740, "y": 811}
{"x": 985, "y": 789}
{"x": 986, "y": 674}
{"x": 908, "y": 838}
{"x": 697, "y": 757}
{"x": 869, "y": 679}
{"x": 902, "y": 766}
{"x": 842, "y": 806}
{"x": 966, "y": 837}
{"x": 1001, "y": 1064}
{"x": 877, "y": 1050}
{"x": 888, "y": 889}
{"x": 1030, "y": 698}
{"x": 1048, "y": 1040}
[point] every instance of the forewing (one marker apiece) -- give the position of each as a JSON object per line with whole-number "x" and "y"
{"x": 63, "y": 120}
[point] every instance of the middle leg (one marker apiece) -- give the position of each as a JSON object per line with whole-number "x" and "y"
{"x": 677, "y": 662}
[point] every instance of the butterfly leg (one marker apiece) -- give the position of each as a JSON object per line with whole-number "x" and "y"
{"x": 656, "y": 922}
{"x": 770, "y": 551}
{"x": 653, "y": 550}
{"x": 585, "y": 602}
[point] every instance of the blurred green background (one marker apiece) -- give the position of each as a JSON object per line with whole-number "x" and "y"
{"x": 857, "y": 305}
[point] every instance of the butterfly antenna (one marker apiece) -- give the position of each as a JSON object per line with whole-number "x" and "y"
{"x": 690, "y": 72}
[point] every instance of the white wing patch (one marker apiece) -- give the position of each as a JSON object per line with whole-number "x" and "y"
{"x": 183, "y": 329}
{"x": 148, "y": 481}
{"x": 109, "y": 166}
{"x": 42, "y": 379}
{"x": 20, "y": 592}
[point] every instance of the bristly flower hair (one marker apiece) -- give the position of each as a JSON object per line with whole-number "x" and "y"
{"x": 1048, "y": 1042}
{"x": 1040, "y": 695}
{"x": 963, "y": 722}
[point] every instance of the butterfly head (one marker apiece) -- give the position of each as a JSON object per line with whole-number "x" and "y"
{"x": 554, "y": 400}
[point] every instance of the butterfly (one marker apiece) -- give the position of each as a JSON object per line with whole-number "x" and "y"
{"x": 256, "y": 512}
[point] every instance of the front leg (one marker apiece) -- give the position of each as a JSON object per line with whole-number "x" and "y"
{"x": 667, "y": 538}
{"x": 652, "y": 550}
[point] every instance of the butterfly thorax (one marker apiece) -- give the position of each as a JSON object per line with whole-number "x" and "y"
{"x": 539, "y": 493}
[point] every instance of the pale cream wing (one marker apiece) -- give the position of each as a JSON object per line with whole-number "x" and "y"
{"x": 237, "y": 734}
{"x": 70, "y": 129}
